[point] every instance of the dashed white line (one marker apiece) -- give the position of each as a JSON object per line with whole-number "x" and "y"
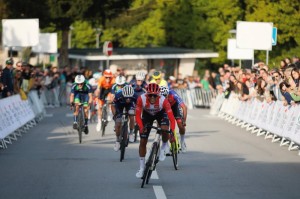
{"x": 159, "y": 192}
{"x": 154, "y": 175}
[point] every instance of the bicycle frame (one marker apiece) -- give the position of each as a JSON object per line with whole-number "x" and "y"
{"x": 124, "y": 135}
{"x": 81, "y": 118}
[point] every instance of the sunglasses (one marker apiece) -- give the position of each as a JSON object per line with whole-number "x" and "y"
{"x": 107, "y": 77}
{"x": 80, "y": 84}
{"x": 157, "y": 79}
{"x": 152, "y": 95}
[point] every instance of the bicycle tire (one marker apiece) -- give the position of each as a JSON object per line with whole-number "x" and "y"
{"x": 80, "y": 125}
{"x": 174, "y": 152}
{"x": 123, "y": 143}
{"x": 153, "y": 160}
{"x": 149, "y": 164}
{"x": 104, "y": 119}
{"x": 135, "y": 132}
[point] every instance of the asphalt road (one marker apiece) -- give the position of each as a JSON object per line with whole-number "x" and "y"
{"x": 223, "y": 161}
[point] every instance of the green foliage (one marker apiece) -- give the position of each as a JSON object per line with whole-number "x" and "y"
{"x": 83, "y": 35}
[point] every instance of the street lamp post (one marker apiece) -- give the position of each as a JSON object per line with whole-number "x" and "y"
{"x": 98, "y": 33}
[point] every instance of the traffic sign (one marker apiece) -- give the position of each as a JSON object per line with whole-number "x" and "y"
{"x": 107, "y": 48}
{"x": 274, "y": 36}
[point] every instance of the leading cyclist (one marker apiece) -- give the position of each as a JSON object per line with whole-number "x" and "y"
{"x": 179, "y": 110}
{"x": 81, "y": 92}
{"x": 151, "y": 106}
{"x": 125, "y": 98}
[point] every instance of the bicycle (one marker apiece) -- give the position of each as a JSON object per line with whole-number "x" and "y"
{"x": 80, "y": 123}
{"x": 124, "y": 138}
{"x": 153, "y": 157}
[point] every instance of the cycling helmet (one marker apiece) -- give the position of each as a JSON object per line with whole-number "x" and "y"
{"x": 107, "y": 73}
{"x": 164, "y": 91}
{"x": 153, "y": 88}
{"x": 96, "y": 76}
{"x": 79, "y": 79}
{"x": 120, "y": 80}
{"x": 156, "y": 75}
{"x": 127, "y": 91}
{"x": 140, "y": 76}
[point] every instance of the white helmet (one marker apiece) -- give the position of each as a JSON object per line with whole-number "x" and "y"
{"x": 79, "y": 79}
{"x": 120, "y": 80}
{"x": 127, "y": 91}
{"x": 164, "y": 91}
{"x": 96, "y": 76}
{"x": 140, "y": 76}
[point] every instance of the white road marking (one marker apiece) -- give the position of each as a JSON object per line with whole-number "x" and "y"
{"x": 154, "y": 175}
{"x": 69, "y": 115}
{"x": 159, "y": 192}
{"x": 48, "y": 115}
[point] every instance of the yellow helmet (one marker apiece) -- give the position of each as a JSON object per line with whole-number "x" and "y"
{"x": 156, "y": 75}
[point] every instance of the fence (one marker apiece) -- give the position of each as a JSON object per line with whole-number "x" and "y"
{"x": 271, "y": 120}
{"x": 17, "y": 116}
{"x": 197, "y": 97}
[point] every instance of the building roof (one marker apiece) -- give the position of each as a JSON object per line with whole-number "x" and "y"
{"x": 141, "y": 53}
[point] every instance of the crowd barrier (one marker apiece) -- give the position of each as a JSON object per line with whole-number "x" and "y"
{"x": 197, "y": 97}
{"x": 17, "y": 116}
{"x": 271, "y": 120}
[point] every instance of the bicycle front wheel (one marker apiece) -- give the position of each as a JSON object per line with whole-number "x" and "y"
{"x": 174, "y": 151}
{"x": 80, "y": 125}
{"x": 123, "y": 143}
{"x": 152, "y": 160}
{"x": 104, "y": 119}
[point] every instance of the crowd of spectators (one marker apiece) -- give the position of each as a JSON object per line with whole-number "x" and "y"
{"x": 260, "y": 82}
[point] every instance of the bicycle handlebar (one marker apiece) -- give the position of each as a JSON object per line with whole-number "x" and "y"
{"x": 158, "y": 129}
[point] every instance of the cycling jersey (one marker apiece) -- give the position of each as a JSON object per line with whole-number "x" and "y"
{"x": 161, "y": 104}
{"x": 116, "y": 88}
{"x": 81, "y": 95}
{"x": 121, "y": 102}
{"x": 162, "y": 82}
{"x": 174, "y": 98}
{"x": 139, "y": 90}
{"x": 102, "y": 83}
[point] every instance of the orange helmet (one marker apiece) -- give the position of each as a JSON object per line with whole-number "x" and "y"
{"x": 107, "y": 73}
{"x": 153, "y": 88}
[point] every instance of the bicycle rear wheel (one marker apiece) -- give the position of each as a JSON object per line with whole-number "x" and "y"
{"x": 123, "y": 143}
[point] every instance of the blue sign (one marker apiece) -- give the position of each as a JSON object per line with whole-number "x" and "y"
{"x": 274, "y": 36}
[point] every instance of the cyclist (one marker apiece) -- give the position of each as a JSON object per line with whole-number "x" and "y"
{"x": 103, "y": 90}
{"x": 81, "y": 92}
{"x": 151, "y": 106}
{"x": 126, "y": 98}
{"x": 94, "y": 83}
{"x": 157, "y": 78}
{"x": 139, "y": 84}
{"x": 119, "y": 84}
{"x": 179, "y": 110}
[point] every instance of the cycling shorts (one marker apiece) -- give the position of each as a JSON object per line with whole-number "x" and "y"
{"x": 161, "y": 118}
{"x": 82, "y": 98}
{"x": 130, "y": 108}
{"x": 103, "y": 94}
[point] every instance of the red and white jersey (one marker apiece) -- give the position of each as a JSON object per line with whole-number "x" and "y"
{"x": 152, "y": 109}
{"x": 160, "y": 104}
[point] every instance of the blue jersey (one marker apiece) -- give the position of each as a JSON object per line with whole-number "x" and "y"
{"x": 174, "y": 98}
{"x": 139, "y": 90}
{"x": 121, "y": 100}
{"x": 86, "y": 89}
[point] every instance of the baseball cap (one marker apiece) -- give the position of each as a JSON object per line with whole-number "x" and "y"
{"x": 9, "y": 62}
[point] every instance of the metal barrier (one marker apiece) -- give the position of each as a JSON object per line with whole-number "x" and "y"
{"x": 197, "y": 97}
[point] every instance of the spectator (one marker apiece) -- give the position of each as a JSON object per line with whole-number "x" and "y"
{"x": 276, "y": 76}
{"x": 205, "y": 81}
{"x": 7, "y": 79}
{"x": 17, "y": 81}
{"x": 296, "y": 62}
{"x": 283, "y": 65}
{"x": 290, "y": 98}
{"x": 191, "y": 83}
{"x": 172, "y": 82}
{"x": 287, "y": 61}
